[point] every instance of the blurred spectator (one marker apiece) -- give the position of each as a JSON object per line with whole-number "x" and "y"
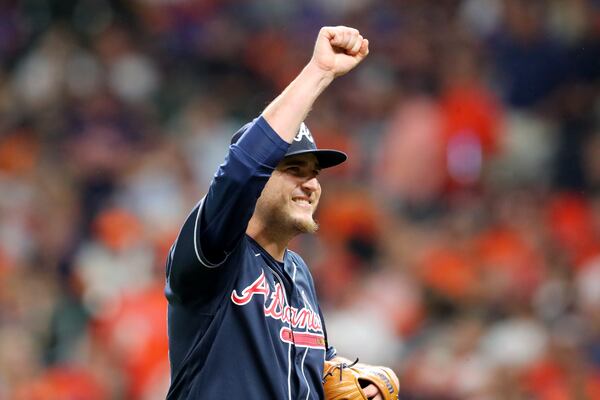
{"x": 530, "y": 61}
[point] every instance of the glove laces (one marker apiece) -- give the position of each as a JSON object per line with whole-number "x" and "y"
{"x": 341, "y": 367}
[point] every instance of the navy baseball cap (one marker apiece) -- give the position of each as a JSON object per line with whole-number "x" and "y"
{"x": 304, "y": 143}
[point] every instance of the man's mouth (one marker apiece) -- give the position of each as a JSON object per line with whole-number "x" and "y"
{"x": 302, "y": 201}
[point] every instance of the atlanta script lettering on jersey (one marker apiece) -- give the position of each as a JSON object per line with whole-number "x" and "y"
{"x": 275, "y": 307}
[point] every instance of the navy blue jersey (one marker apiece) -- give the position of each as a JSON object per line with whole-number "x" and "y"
{"x": 241, "y": 324}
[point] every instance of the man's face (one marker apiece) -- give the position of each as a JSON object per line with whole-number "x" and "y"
{"x": 291, "y": 195}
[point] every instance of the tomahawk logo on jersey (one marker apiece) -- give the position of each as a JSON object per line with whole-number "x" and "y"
{"x": 241, "y": 324}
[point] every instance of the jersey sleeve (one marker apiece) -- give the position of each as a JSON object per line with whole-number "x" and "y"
{"x": 218, "y": 222}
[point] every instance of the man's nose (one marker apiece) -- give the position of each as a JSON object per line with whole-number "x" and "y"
{"x": 311, "y": 184}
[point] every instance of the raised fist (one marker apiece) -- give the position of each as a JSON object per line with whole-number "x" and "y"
{"x": 339, "y": 49}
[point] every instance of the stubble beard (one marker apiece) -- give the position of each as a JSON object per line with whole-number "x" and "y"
{"x": 305, "y": 225}
{"x": 282, "y": 220}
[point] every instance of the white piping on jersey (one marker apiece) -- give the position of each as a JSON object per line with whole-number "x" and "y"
{"x": 307, "y": 305}
{"x": 290, "y": 326}
{"x": 172, "y": 250}
{"x": 304, "y": 374}
{"x": 290, "y": 371}
{"x": 170, "y": 257}
{"x": 198, "y": 252}
{"x": 290, "y": 345}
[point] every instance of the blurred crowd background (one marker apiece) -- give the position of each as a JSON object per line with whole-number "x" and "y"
{"x": 460, "y": 244}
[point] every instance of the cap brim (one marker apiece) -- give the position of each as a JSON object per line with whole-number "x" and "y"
{"x": 326, "y": 157}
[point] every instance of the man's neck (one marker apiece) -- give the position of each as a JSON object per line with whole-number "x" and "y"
{"x": 274, "y": 243}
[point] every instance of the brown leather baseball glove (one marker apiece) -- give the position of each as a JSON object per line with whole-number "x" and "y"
{"x": 343, "y": 380}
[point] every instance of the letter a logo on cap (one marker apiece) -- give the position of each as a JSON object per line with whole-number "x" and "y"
{"x": 303, "y": 132}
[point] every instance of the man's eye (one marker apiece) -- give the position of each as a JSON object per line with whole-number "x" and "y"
{"x": 293, "y": 170}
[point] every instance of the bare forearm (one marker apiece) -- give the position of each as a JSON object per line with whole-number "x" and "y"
{"x": 337, "y": 51}
{"x": 292, "y": 106}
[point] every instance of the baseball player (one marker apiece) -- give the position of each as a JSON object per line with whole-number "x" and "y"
{"x": 243, "y": 318}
